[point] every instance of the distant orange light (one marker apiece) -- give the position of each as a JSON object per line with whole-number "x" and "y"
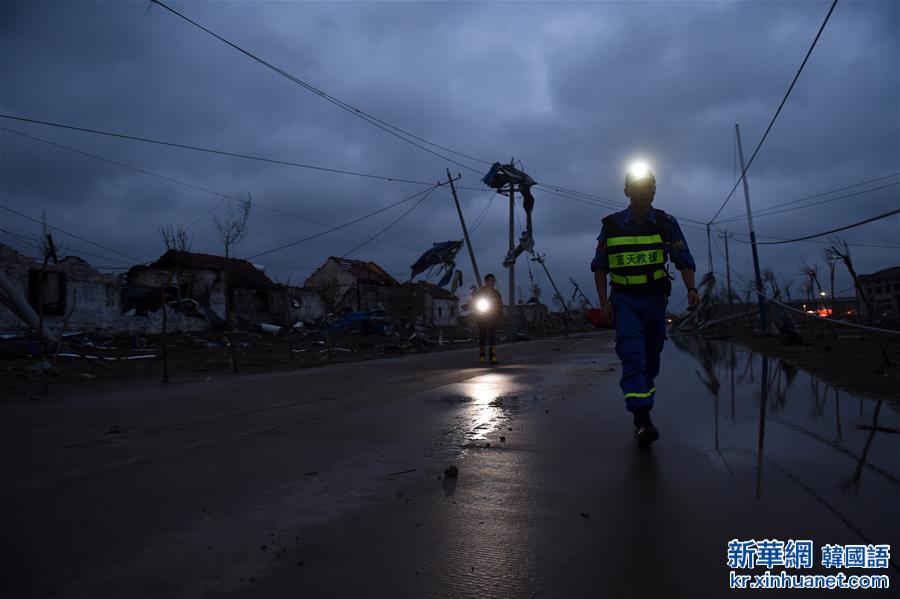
{"x": 823, "y": 312}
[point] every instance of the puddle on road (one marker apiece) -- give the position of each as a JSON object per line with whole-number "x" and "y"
{"x": 784, "y": 434}
{"x": 486, "y": 405}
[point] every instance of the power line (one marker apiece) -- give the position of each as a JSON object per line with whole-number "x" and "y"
{"x": 820, "y": 202}
{"x": 384, "y": 126}
{"x": 108, "y": 249}
{"x": 339, "y": 227}
{"x": 321, "y": 224}
{"x": 212, "y": 151}
{"x": 772, "y": 209}
{"x": 583, "y": 200}
{"x": 777, "y": 112}
{"x": 110, "y": 161}
{"x": 579, "y": 193}
{"x": 397, "y": 220}
{"x": 862, "y": 222}
{"x": 863, "y": 245}
{"x": 618, "y": 207}
{"x": 24, "y": 239}
{"x": 222, "y": 197}
{"x": 487, "y": 208}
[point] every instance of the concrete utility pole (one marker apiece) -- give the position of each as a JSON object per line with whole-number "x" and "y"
{"x": 478, "y": 281}
{"x": 759, "y": 287}
{"x": 725, "y": 236}
{"x": 512, "y": 263}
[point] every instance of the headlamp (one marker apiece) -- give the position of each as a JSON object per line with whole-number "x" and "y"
{"x": 638, "y": 172}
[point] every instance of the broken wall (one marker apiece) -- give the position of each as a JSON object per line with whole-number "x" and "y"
{"x": 306, "y": 304}
{"x": 72, "y": 288}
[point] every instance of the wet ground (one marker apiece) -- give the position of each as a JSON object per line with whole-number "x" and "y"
{"x": 330, "y": 482}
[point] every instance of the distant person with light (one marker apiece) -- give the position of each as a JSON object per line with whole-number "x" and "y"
{"x": 487, "y": 306}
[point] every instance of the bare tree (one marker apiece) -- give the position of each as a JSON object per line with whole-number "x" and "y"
{"x": 786, "y": 283}
{"x": 233, "y": 228}
{"x": 842, "y": 250}
{"x": 812, "y": 275}
{"x": 176, "y": 237}
{"x": 768, "y": 276}
{"x": 808, "y": 289}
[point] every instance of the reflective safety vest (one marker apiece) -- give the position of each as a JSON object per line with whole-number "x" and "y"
{"x": 637, "y": 262}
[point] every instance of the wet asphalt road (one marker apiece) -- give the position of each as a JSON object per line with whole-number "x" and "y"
{"x": 330, "y": 482}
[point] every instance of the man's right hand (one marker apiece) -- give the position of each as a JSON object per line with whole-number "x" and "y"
{"x": 606, "y": 313}
{"x": 601, "y": 317}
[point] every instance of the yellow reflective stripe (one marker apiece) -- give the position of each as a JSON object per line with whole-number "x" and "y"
{"x": 635, "y": 258}
{"x": 629, "y": 280}
{"x": 647, "y": 394}
{"x": 635, "y": 279}
{"x": 633, "y": 240}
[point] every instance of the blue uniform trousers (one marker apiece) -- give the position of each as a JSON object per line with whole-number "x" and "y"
{"x": 640, "y": 335}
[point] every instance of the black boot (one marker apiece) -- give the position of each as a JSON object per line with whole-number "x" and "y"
{"x": 643, "y": 427}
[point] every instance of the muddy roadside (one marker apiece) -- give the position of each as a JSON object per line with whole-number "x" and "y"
{"x": 107, "y": 364}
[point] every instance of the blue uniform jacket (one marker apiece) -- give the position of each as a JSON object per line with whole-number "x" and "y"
{"x": 676, "y": 250}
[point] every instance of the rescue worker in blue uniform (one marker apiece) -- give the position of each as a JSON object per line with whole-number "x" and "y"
{"x": 632, "y": 251}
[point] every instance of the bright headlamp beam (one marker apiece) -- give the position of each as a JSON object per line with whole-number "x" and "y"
{"x": 638, "y": 170}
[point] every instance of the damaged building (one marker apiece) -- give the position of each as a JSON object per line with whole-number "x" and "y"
{"x": 355, "y": 285}
{"x": 432, "y": 305}
{"x": 882, "y": 288}
{"x": 69, "y": 292}
{"x": 199, "y": 290}
{"x": 202, "y": 286}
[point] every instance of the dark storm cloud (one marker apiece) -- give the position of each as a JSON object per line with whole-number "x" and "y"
{"x": 573, "y": 90}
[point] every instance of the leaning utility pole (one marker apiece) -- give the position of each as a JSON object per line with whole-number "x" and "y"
{"x": 759, "y": 287}
{"x": 562, "y": 302}
{"x": 725, "y": 236}
{"x": 478, "y": 281}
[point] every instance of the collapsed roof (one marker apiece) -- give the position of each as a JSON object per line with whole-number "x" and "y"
{"x": 242, "y": 274}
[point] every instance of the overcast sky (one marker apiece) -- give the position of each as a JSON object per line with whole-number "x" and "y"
{"x": 575, "y": 91}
